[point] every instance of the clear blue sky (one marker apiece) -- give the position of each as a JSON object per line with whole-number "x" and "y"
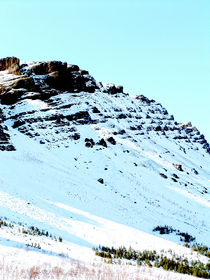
{"x": 159, "y": 48}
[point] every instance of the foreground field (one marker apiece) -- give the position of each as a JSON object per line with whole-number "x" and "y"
{"x": 18, "y": 264}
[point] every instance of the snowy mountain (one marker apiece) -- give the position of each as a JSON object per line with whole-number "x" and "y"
{"x": 90, "y": 164}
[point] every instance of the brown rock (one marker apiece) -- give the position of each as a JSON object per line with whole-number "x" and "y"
{"x": 26, "y": 83}
{"x": 12, "y": 64}
{"x": 2, "y": 89}
{"x": 11, "y": 96}
{"x": 44, "y": 68}
{"x": 178, "y": 166}
{"x": 58, "y": 80}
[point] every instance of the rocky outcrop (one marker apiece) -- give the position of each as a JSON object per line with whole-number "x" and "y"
{"x": 46, "y": 81}
{"x": 39, "y": 80}
{"x": 65, "y": 77}
{"x": 111, "y": 88}
{"x": 26, "y": 83}
{"x": 43, "y": 68}
{"x": 12, "y": 64}
{"x": 11, "y": 96}
{"x": 20, "y": 86}
{"x": 5, "y": 144}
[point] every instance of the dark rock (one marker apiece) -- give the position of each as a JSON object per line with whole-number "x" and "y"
{"x": 102, "y": 142}
{"x": 119, "y": 89}
{"x": 194, "y": 171}
{"x": 77, "y": 82}
{"x": 17, "y": 89}
{"x": 58, "y": 80}
{"x": 202, "y": 141}
{"x": 26, "y": 83}
{"x": 122, "y": 116}
{"x": 175, "y": 176}
{"x": 122, "y": 131}
{"x": 82, "y": 115}
{"x": 188, "y": 130}
{"x": 101, "y": 180}
{"x": 18, "y": 123}
{"x": 175, "y": 180}
{"x": 165, "y": 128}
{"x": 10, "y": 148}
{"x": 165, "y": 112}
{"x": 113, "y": 89}
{"x": 143, "y": 98}
{"x": 89, "y": 142}
{"x": 95, "y": 110}
{"x": 44, "y": 68}
{"x": 12, "y": 96}
{"x": 72, "y": 68}
{"x": 111, "y": 140}
{"x": 178, "y": 166}
{"x": 163, "y": 175}
{"x": 84, "y": 72}
{"x": 76, "y": 136}
{"x": 158, "y": 128}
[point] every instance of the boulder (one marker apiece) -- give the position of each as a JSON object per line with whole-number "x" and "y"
{"x": 111, "y": 140}
{"x": 142, "y": 98}
{"x": 158, "y": 128}
{"x": 12, "y": 64}
{"x": 101, "y": 180}
{"x": 57, "y": 80}
{"x": 44, "y": 68}
{"x": 72, "y": 68}
{"x": 113, "y": 89}
{"x": 71, "y": 81}
{"x": 102, "y": 142}
{"x": 26, "y": 83}
{"x": 178, "y": 167}
{"x": 11, "y": 96}
{"x": 20, "y": 86}
{"x": 84, "y": 72}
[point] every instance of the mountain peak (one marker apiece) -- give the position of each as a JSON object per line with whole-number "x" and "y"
{"x": 89, "y": 164}
{"x": 50, "y": 81}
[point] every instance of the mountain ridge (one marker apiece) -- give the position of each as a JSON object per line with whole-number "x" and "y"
{"x": 77, "y": 153}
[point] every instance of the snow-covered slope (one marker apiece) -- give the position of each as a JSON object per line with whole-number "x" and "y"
{"x": 95, "y": 165}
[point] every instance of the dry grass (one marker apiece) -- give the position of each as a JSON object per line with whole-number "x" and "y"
{"x": 78, "y": 271}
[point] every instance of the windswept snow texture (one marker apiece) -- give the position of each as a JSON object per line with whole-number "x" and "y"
{"x": 99, "y": 168}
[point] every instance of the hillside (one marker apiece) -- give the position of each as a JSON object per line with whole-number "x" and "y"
{"x": 93, "y": 165}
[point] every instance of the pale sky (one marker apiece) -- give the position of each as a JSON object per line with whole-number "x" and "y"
{"x": 159, "y": 48}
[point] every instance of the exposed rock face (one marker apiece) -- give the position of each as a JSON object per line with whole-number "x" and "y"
{"x": 12, "y": 64}
{"x": 25, "y": 82}
{"x": 17, "y": 89}
{"x": 43, "y": 79}
{"x": 48, "y": 83}
{"x": 178, "y": 167}
{"x": 11, "y": 96}
{"x": 113, "y": 89}
{"x": 63, "y": 77}
{"x": 5, "y": 144}
{"x": 43, "y": 68}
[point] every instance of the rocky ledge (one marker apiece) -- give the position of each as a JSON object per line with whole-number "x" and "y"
{"x": 52, "y": 101}
{"x": 45, "y": 79}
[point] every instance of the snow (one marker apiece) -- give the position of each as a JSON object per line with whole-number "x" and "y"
{"x": 55, "y": 186}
